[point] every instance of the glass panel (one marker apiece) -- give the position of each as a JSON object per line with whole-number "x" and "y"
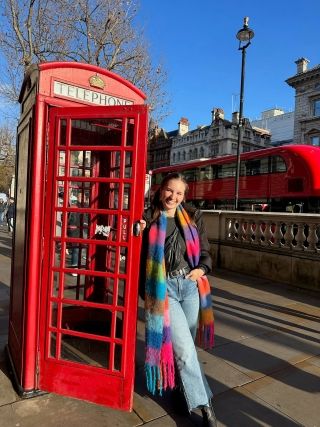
{"x": 62, "y": 164}
{"x": 119, "y": 324}
{"x": 109, "y": 291}
{"x": 128, "y": 165}
{"x": 226, "y": 171}
{"x": 88, "y": 320}
{"x": 56, "y": 284}
{"x": 104, "y": 132}
{"x": 76, "y": 256}
{"x": 100, "y": 289}
{"x": 126, "y": 203}
{"x": 123, "y": 260}
{"x": 117, "y": 357}
{"x": 54, "y": 314}
{"x": 85, "y": 351}
{"x": 53, "y": 342}
{"x": 130, "y": 132}
{"x": 63, "y": 131}
{"x": 58, "y": 230}
{"x": 73, "y": 286}
{"x": 278, "y": 164}
{"x": 316, "y": 107}
{"x": 121, "y": 292}
{"x": 57, "y": 255}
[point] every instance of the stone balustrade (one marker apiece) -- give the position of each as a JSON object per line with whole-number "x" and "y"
{"x": 280, "y": 246}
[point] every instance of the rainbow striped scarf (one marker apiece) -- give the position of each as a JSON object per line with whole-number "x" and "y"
{"x": 159, "y": 364}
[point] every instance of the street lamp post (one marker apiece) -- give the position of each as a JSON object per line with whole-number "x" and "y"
{"x": 245, "y": 35}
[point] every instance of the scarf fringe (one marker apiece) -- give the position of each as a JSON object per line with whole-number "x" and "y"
{"x": 153, "y": 377}
{"x": 206, "y": 336}
{"x": 159, "y": 379}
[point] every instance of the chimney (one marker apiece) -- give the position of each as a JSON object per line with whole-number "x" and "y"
{"x": 217, "y": 114}
{"x": 235, "y": 117}
{"x": 302, "y": 65}
{"x": 183, "y": 126}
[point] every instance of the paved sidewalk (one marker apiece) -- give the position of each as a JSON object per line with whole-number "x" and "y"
{"x": 264, "y": 369}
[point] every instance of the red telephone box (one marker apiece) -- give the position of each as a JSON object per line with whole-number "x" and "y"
{"x": 79, "y": 195}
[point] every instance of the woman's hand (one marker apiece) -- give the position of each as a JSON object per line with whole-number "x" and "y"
{"x": 195, "y": 274}
{"x": 143, "y": 224}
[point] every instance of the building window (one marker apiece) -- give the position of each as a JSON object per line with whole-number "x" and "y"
{"x": 316, "y": 107}
{"x": 215, "y": 149}
{"x": 174, "y": 157}
{"x": 315, "y": 140}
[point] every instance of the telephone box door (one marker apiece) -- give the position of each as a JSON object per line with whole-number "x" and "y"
{"x": 94, "y": 199}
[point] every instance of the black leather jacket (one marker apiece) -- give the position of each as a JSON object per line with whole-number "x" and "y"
{"x": 205, "y": 260}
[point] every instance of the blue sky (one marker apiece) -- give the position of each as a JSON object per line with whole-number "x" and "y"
{"x": 196, "y": 41}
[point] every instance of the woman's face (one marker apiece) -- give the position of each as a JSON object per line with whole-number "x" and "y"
{"x": 172, "y": 194}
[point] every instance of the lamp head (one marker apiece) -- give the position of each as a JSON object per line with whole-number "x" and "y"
{"x": 245, "y": 34}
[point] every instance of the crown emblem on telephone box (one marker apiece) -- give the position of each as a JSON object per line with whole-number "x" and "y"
{"x": 97, "y": 81}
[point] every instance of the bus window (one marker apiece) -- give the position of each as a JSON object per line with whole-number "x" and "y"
{"x": 190, "y": 174}
{"x": 278, "y": 164}
{"x": 205, "y": 173}
{"x": 254, "y": 167}
{"x": 226, "y": 171}
{"x": 156, "y": 178}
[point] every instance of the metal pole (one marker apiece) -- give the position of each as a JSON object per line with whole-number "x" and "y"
{"x": 240, "y": 125}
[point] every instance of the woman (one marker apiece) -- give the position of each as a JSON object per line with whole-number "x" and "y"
{"x": 177, "y": 294}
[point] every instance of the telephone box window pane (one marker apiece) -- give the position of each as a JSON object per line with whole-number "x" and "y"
{"x": 130, "y": 133}
{"x": 73, "y": 286}
{"x": 126, "y": 203}
{"x": 93, "y": 132}
{"x": 58, "y": 231}
{"x": 103, "y": 227}
{"x": 54, "y": 314}
{"x": 123, "y": 260}
{"x": 63, "y": 131}
{"x": 109, "y": 291}
{"x": 57, "y": 254}
{"x": 85, "y": 351}
{"x": 62, "y": 163}
{"x": 56, "y": 284}
{"x": 76, "y": 257}
{"x": 117, "y": 357}
{"x": 53, "y": 343}
{"x": 87, "y": 320}
{"x": 105, "y": 164}
{"x": 110, "y": 199}
{"x": 128, "y": 165}
{"x": 100, "y": 289}
{"x": 121, "y": 292}
{"x": 119, "y": 324}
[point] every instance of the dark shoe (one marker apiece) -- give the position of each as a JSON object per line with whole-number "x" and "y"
{"x": 208, "y": 416}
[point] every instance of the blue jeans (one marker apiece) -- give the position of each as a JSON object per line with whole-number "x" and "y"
{"x": 184, "y": 310}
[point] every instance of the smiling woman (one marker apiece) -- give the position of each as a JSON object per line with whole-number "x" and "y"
{"x": 174, "y": 263}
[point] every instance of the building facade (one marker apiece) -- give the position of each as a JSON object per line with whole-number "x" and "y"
{"x": 220, "y": 138}
{"x": 278, "y": 123}
{"x": 306, "y": 83}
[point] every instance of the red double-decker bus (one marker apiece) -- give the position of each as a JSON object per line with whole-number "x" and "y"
{"x": 279, "y": 179}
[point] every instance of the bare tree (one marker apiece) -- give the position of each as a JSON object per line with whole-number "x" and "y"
{"x": 7, "y": 158}
{"x": 99, "y": 32}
